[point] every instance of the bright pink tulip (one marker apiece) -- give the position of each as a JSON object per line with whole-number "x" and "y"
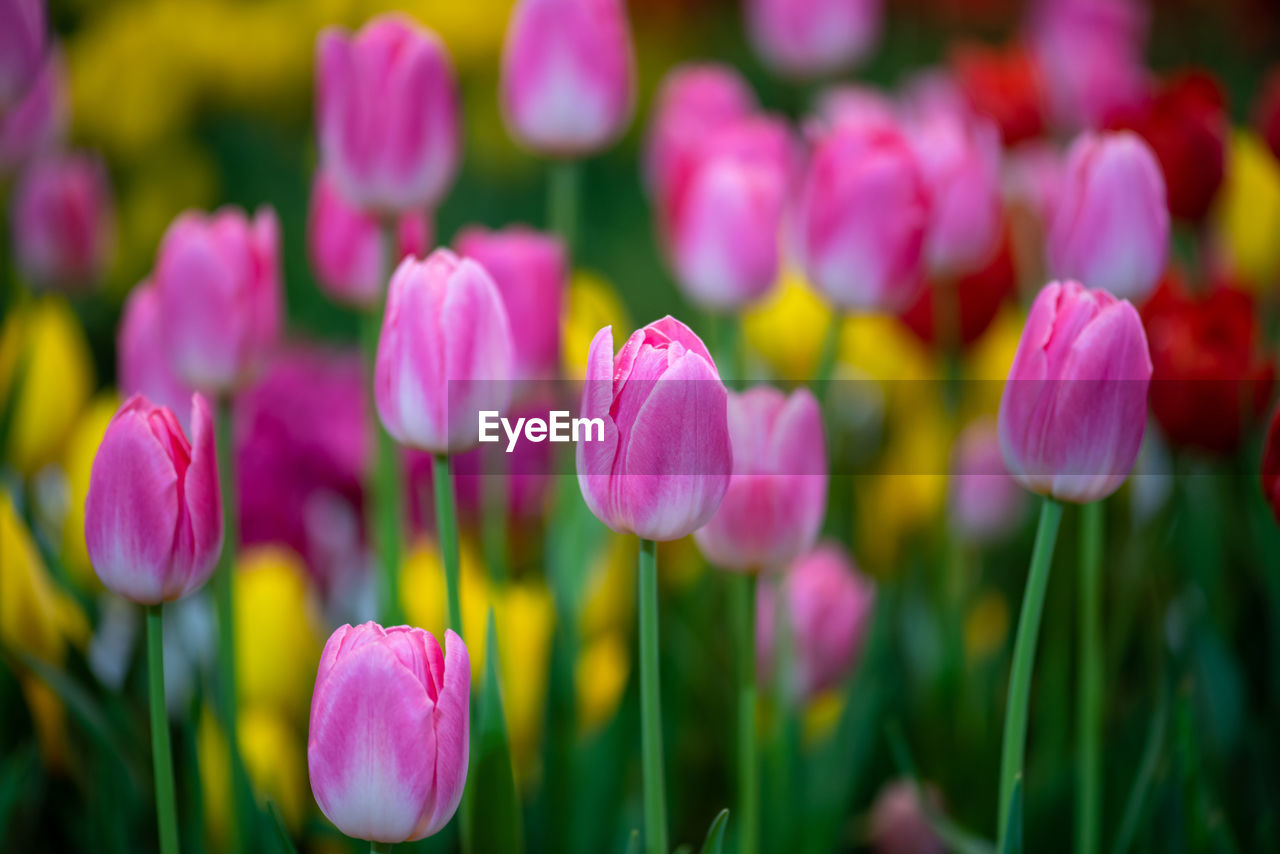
{"x": 899, "y": 824}
{"x": 345, "y": 245}
{"x": 665, "y": 461}
{"x": 985, "y": 504}
{"x": 531, "y": 272}
{"x": 813, "y": 38}
{"x": 220, "y": 302}
{"x": 39, "y": 116}
{"x": 1110, "y": 228}
{"x": 388, "y": 115}
{"x": 63, "y": 223}
{"x": 863, "y": 215}
{"x": 827, "y": 605}
{"x": 153, "y": 515}
{"x": 568, "y": 76}
{"x": 778, "y": 493}
{"x": 1075, "y": 404}
{"x": 24, "y": 41}
{"x": 389, "y": 737}
{"x": 694, "y": 100}
{"x": 141, "y": 367}
{"x": 445, "y": 353}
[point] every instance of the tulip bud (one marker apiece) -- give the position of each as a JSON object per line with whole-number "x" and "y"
{"x": 38, "y": 117}
{"x": 1271, "y": 465}
{"x": 387, "y": 113}
{"x": 862, "y": 218}
{"x": 777, "y": 496}
{"x": 985, "y": 503}
{"x": 153, "y": 515}
{"x": 1110, "y": 228}
{"x": 219, "y": 281}
{"x": 346, "y": 245}
{"x": 694, "y": 100}
{"x": 651, "y": 474}
{"x": 63, "y": 226}
{"x": 389, "y": 737}
{"x": 531, "y": 272}
{"x": 723, "y": 219}
{"x": 140, "y": 364}
{"x": 813, "y": 38}
{"x": 24, "y": 42}
{"x": 1075, "y": 405}
{"x": 568, "y": 76}
{"x": 444, "y": 355}
{"x": 899, "y": 824}
{"x": 827, "y": 605}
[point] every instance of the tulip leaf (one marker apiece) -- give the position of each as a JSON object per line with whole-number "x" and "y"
{"x": 493, "y": 808}
{"x": 1013, "y": 835}
{"x": 282, "y": 833}
{"x": 633, "y": 842}
{"x": 714, "y": 843}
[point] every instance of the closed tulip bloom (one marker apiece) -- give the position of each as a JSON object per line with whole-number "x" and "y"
{"x": 777, "y": 496}
{"x": 63, "y": 224}
{"x": 1110, "y": 228}
{"x": 531, "y": 271}
{"x": 39, "y": 116}
{"x": 141, "y": 366}
{"x": 863, "y": 215}
{"x": 345, "y": 245}
{"x": 24, "y": 40}
{"x": 445, "y": 353}
{"x": 153, "y": 515}
{"x": 813, "y": 38}
{"x": 1075, "y": 405}
{"x": 568, "y": 81}
{"x": 388, "y": 114}
{"x": 694, "y": 100}
{"x": 655, "y": 474}
{"x": 389, "y": 736}
{"x": 828, "y": 605}
{"x": 220, "y": 302}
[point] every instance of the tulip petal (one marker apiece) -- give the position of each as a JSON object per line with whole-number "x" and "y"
{"x": 452, "y": 723}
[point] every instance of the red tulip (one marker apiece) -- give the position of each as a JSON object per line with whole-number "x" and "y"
{"x": 1004, "y": 85}
{"x": 978, "y": 296}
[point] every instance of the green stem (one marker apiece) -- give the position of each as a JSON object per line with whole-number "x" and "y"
{"x": 562, "y": 202}
{"x": 1089, "y": 696}
{"x": 1024, "y": 653}
{"x": 655, "y": 804}
{"x": 744, "y": 609}
{"x": 161, "y": 757}
{"x": 447, "y": 532}
{"x": 224, "y": 597}
{"x": 379, "y": 847}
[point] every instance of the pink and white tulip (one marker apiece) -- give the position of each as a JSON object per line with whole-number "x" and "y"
{"x": 141, "y": 366}
{"x": 220, "y": 302}
{"x": 813, "y": 38}
{"x": 568, "y": 76}
{"x": 388, "y": 742}
{"x": 655, "y": 474}
{"x": 1075, "y": 405}
{"x": 63, "y": 223}
{"x": 1110, "y": 228}
{"x": 444, "y": 355}
{"x": 387, "y": 115}
{"x": 153, "y": 515}
{"x": 777, "y": 496}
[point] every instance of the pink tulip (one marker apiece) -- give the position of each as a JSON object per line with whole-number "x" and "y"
{"x": 665, "y": 460}
{"x": 39, "y": 116}
{"x": 778, "y": 493}
{"x": 863, "y": 215}
{"x": 723, "y": 219}
{"x": 63, "y": 224}
{"x": 851, "y": 104}
{"x": 899, "y": 824}
{"x": 24, "y": 42}
{"x": 345, "y": 245}
{"x": 389, "y": 737}
{"x": 694, "y": 100}
{"x": 220, "y": 302}
{"x": 444, "y": 355}
{"x": 531, "y": 271}
{"x": 985, "y": 503}
{"x": 828, "y": 605}
{"x": 1075, "y": 405}
{"x": 388, "y": 115}
{"x": 568, "y": 76}
{"x": 813, "y": 38}
{"x": 141, "y": 366}
{"x": 1110, "y": 228}
{"x": 153, "y": 515}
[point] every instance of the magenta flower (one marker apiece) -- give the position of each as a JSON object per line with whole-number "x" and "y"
{"x": 24, "y": 43}
{"x": 153, "y": 515}
{"x": 388, "y": 742}
{"x": 813, "y": 38}
{"x": 63, "y": 222}
{"x": 141, "y": 366}
{"x": 38, "y": 117}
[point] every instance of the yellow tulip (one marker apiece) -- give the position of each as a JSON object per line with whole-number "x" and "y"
{"x": 602, "y": 670}
{"x": 1248, "y": 210}
{"x": 988, "y": 362}
{"x": 423, "y": 596}
{"x": 82, "y": 447}
{"x": 591, "y": 305}
{"x": 45, "y": 368}
{"x": 608, "y": 598}
{"x": 788, "y": 328}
